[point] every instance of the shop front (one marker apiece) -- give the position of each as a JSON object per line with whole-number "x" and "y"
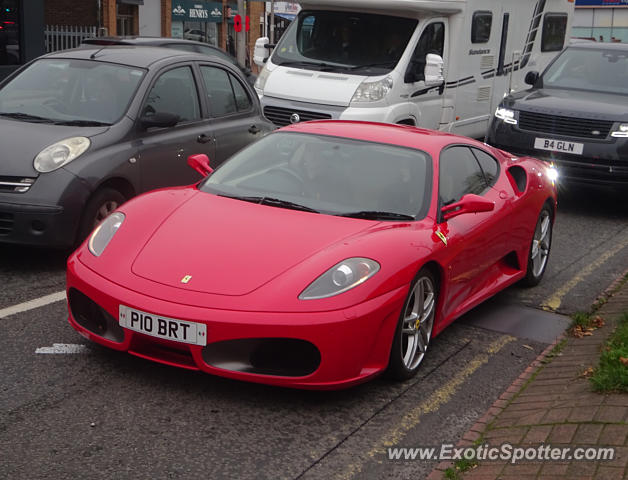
{"x": 197, "y": 20}
{"x": 21, "y": 33}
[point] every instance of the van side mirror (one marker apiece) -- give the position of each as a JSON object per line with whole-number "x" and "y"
{"x": 531, "y": 78}
{"x": 434, "y": 65}
{"x": 469, "y": 203}
{"x": 200, "y": 163}
{"x": 159, "y": 120}
{"x": 261, "y": 52}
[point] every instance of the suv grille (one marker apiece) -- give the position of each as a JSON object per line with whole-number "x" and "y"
{"x": 6, "y": 223}
{"x": 568, "y": 126}
{"x": 15, "y": 184}
{"x": 281, "y": 116}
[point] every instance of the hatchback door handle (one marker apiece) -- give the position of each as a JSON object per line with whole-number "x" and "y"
{"x": 204, "y": 138}
{"x": 254, "y": 129}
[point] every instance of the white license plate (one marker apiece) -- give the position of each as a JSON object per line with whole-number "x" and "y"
{"x": 163, "y": 327}
{"x": 558, "y": 146}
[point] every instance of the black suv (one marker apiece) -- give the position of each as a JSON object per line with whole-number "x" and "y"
{"x": 575, "y": 115}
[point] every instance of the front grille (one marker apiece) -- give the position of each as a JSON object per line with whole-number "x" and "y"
{"x": 567, "y": 126}
{"x": 6, "y": 223}
{"x": 16, "y": 184}
{"x": 281, "y": 116}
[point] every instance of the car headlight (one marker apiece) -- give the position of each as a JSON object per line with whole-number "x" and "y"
{"x": 60, "y": 154}
{"x": 341, "y": 277}
{"x": 621, "y": 132}
{"x": 260, "y": 83}
{"x": 552, "y": 173}
{"x": 506, "y": 115}
{"x": 372, "y": 91}
{"x": 104, "y": 232}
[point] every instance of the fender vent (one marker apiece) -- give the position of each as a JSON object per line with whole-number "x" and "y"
{"x": 518, "y": 178}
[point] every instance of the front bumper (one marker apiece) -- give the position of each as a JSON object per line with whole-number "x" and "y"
{"x": 353, "y": 344}
{"x": 602, "y": 161}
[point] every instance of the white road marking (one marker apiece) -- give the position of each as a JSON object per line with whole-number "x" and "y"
{"x": 31, "y": 304}
{"x": 63, "y": 348}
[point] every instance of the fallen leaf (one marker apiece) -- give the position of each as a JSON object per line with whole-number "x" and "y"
{"x": 624, "y": 361}
{"x": 599, "y": 321}
{"x": 587, "y": 334}
{"x": 528, "y": 347}
{"x": 587, "y": 373}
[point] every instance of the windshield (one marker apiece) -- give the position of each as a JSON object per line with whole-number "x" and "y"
{"x": 341, "y": 41}
{"x": 70, "y": 91}
{"x": 600, "y": 70}
{"x": 330, "y": 175}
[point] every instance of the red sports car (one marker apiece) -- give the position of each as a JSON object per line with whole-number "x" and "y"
{"x": 320, "y": 256}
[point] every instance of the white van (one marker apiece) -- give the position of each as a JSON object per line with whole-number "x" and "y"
{"x": 436, "y": 64}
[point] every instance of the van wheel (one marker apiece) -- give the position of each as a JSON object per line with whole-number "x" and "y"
{"x": 100, "y": 206}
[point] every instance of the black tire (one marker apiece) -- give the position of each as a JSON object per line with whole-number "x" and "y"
{"x": 100, "y": 205}
{"x": 403, "y": 364}
{"x": 535, "y": 269}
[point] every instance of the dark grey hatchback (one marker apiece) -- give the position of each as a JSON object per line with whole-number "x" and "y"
{"x": 575, "y": 115}
{"x": 81, "y": 131}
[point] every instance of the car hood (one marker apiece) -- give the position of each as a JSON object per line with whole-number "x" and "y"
{"x": 22, "y": 141}
{"x": 569, "y": 103}
{"x": 327, "y": 88}
{"x": 232, "y": 247}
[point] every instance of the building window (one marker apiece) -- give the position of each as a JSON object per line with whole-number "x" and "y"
{"x": 9, "y": 33}
{"x": 481, "y": 27}
{"x": 554, "y": 31}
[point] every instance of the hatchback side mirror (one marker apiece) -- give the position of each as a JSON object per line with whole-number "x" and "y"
{"x": 531, "y": 78}
{"x": 200, "y": 163}
{"x": 469, "y": 203}
{"x": 159, "y": 120}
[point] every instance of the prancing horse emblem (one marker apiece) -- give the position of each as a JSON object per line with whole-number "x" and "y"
{"x": 295, "y": 118}
{"x": 186, "y": 279}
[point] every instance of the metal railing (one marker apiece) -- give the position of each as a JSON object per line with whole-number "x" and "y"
{"x": 62, "y": 37}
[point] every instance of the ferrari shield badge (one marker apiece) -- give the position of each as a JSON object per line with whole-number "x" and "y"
{"x": 442, "y": 236}
{"x": 186, "y": 279}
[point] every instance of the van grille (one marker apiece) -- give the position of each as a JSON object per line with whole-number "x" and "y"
{"x": 6, "y": 223}
{"x": 281, "y": 116}
{"x": 568, "y": 126}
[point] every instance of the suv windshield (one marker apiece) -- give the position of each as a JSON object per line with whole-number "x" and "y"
{"x": 80, "y": 92}
{"x": 330, "y": 175}
{"x": 600, "y": 70}
{"x": 345, "y": 41}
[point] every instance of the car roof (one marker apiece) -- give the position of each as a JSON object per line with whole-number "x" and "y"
{"x": 135, "y": 40}
{"x": 130, "y": 55}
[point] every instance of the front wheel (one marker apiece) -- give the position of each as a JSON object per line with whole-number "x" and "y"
{"x": 539, "y": 249}
{"x": 414, "y": 330}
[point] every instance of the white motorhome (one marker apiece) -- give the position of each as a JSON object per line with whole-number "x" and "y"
{"x": 436, "y": 64}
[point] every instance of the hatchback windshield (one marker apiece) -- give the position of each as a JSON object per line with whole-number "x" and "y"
{"x": 329, "y": 175}
{"x": 370, "y": 44}
{"x": 70, "y": 91}
{"x": 603, "y": 70}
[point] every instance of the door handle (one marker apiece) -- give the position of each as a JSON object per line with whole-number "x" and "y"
{"x": 204, "y": 138}
{"x": 254, "y": 129}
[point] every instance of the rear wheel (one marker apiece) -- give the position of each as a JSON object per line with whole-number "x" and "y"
{"x": 414, "y": 330}
{"x": 100, "y": 206}
{"x": 539, "y": 249}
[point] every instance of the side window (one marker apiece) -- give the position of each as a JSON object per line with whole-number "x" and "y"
{"x": 174, "y": 92}
{"x": 481, "y": 27}
{"x": 554, "y": 31}
{"x": 459, "y": 174}
{"x": 489, "y": 165}
{"x": 243, "y": 101}
{"x": 432, "y": 41}
{"x": 219, "y": 92}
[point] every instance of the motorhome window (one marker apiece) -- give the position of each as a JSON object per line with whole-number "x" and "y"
{"x": 432, "y": 41}
{"x": 481, "y": 27}
{"x": 368, "y": 44}
{"x": 554, "y": 31}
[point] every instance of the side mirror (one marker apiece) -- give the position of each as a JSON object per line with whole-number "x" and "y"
{"x": 261, "y": 52}
{"x": 469, "y": 203}
{"x": 531, "y": 78}
{"x": 200, "y": 163}
{"x": 434, "y": 65}
{"x": 160, "y": 120}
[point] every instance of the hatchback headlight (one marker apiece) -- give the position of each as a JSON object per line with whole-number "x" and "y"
{"x": 341, "y": 277}
{"x": 61, "y": 153}
{"x": 506, "y": 115}
{"x": 372, "y": 91}
{"x": 104, "y": 232}
{"x": 621, "y": 132}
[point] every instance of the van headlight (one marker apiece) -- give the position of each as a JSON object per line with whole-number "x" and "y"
{"x": 507, "y": 115}
{"x": 61, "y": 153}
{"x": 341, "y": 277}
{"x": 104, "y": 232}
{"x": 260, "y": 83}
{"x": 372, "y": 91}
{"x": 621, "y": 132}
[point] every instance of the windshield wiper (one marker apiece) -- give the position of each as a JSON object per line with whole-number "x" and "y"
{"x": 82, "y": 123}
{"x": 273, "y": 202}
{"x": 389, "y": 64}
{"x": 375, "y": 215}
{"x": 322, "y": 65}
{"x": 26, "y": 117}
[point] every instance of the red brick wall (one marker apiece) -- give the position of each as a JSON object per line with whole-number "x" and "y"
{"x": 70, "y": 12}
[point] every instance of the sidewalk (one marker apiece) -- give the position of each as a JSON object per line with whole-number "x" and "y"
{"x": 552, "y": 403}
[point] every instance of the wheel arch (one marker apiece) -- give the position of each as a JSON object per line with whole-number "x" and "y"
{"x": 121, "y": 184}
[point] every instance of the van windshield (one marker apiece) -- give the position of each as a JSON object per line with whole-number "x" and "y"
{"x": 345, "y": 41}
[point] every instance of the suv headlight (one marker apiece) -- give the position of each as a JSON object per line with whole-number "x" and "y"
{"x": 621, "y": 132}
{"x": 372, "y": 91}
{"x": 506, "y": 115}
{"x": 104, "y": 232}
{"x": 260, "y": 83}
{"x": 61, "y": 153}
{"x": 341, "y": 277}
